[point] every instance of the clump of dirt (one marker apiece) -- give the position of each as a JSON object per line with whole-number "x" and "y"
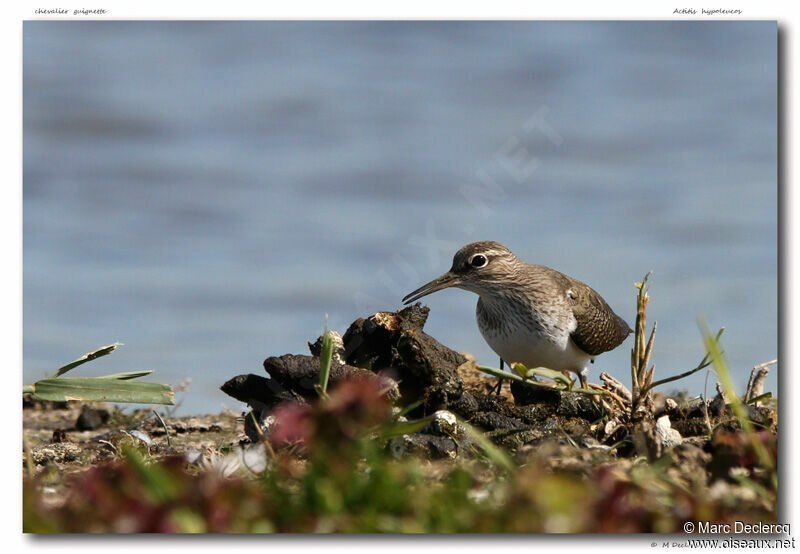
{"x": 414, "y": 368}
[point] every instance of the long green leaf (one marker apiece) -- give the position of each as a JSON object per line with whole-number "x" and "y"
{"x": 550, "y": 374}
{"x": 102, "y": 351}
{"x": 99, "y": 389}
{"x": 127, "y": 375}
{"x": 500, "y": 373}
{"x": 540, "y": 384}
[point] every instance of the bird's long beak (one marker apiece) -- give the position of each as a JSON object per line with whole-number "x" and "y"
{"x": 449, "y": 279}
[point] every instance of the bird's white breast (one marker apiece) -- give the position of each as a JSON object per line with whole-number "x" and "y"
{"x": 531, "y": 338}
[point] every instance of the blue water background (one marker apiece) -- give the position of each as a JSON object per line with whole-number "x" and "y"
{"x": 206, "y": 192}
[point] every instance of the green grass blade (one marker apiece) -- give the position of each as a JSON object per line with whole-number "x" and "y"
{"x": 325, "y": 357}
{"x": 399, "y": 428}
{"x": 552, "y": 374}
{"x": 724, "y": 374}
{"x": 164, "y": 425}
{"x": 542, "y": 384}
{"x": 500, "y": 373}
{"x": 98, "y": 389}
{"x": 495, "y": 454}
{"x": 760, "y": 397}
{"x": 557, "y": 376}
{"x": 127, "y": 375}
{"x": 408, "y": 409}
{"x": 88, "y": 357}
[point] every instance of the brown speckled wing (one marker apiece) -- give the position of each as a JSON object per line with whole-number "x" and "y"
{"x": 599, "y": 329}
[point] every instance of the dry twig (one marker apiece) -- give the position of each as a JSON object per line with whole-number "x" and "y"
{"x": 755, "y": 385}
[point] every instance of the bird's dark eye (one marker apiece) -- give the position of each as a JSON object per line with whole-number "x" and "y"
{"x": 478, "y": 260}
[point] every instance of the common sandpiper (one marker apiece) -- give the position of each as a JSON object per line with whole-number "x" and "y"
{"x": 532, "y": 314}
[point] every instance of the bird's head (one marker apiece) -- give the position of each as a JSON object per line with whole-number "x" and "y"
{"x": 479, "y": 267}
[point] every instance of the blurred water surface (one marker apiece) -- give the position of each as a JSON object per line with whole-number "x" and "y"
{"x": 207, "y": 191}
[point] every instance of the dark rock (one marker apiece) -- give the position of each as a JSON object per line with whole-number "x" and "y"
{"x": 576, "y": 427}
{"x": 572, "y": 404}
{"x": 718, "y": 407}
{"x": 258, "y": 392}
{"x": 525, "y": 395}
{"x": 300, "y": 373}
{"x": 91, "y": 418}
{"x": 495, "y": 403}
{"x": 695, "y": 408}
{"x": 189, "y": 425}
{"x": 537, "y": 413}
{"x": 565, "y": 403}
{"x": 425, "y": 368}
{"x": 514, "y": 439}
{"x": 492, "y": 421}
{"x": 761, "y": 415}
{"x": 690, "y": 427}
{"x": 430, "y": 446}
{"x": 421, "y": 369}
{"x": 505, "y": 415}
{"x": 466, "y": 405}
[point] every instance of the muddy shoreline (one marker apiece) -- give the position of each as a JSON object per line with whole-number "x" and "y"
{"x": 672, "y": 451}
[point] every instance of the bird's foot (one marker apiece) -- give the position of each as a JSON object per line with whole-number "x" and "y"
{"x": 583, "y": 376}
{"x": 497, "y": 388}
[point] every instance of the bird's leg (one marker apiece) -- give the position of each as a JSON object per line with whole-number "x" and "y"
{"x": 583, "y": 376}
{"x": 567, "y": 373}
{"x": 498, "y": 387}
